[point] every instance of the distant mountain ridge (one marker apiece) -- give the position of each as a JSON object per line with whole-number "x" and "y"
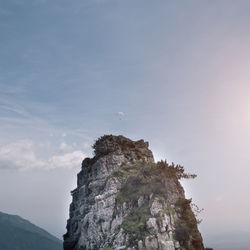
{"x": 17, "y": 233}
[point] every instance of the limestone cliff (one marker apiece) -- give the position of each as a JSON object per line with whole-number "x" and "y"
{"x": 124, "y": 200}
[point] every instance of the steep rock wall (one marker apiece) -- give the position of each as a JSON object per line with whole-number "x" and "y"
{"x": 124, "y": 200}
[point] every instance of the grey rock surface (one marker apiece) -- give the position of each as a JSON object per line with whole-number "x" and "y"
{"x": 96, "y": 219}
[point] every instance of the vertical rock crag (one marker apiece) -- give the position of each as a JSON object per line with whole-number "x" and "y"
{"x": 124, "y": 200}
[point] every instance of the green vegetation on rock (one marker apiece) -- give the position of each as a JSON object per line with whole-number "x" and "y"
{"x": 135, "y": 223}
{"x": 143, "y": 179}
{"x": 186, "y": 231}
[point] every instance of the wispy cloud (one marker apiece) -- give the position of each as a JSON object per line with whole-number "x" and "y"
{"x": 14, "y": 109}
{"x": 69, "y": 160}
{"x": 65, "y": 147}
{"x": 8, "y": 89}
{"x": 21, "y": 155}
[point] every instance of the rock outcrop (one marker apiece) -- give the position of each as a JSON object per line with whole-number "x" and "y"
{"x": 124, "y": 200}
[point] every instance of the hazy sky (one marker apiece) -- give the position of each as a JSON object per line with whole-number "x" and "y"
{"x": 175, "y": 73}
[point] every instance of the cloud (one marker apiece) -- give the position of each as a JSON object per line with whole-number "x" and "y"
{"x": 64, "y": 134}
{"x": 68, "y": 160}
{"x": 21, "y": 155}
{"x": 65, "y": 147}
{"x": 86, "y": 145}
{"x": 14, "y": 109}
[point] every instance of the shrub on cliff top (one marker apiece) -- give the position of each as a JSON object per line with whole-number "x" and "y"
{"x": 143, "y": 178}
{"x": 177, "y": 170}
{"x": 100, "y": 140}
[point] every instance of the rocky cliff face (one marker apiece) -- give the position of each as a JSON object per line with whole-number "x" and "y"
{"x": 124, "y": 200}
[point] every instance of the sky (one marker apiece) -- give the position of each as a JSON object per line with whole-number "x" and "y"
{"x": 174, "y": 73}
